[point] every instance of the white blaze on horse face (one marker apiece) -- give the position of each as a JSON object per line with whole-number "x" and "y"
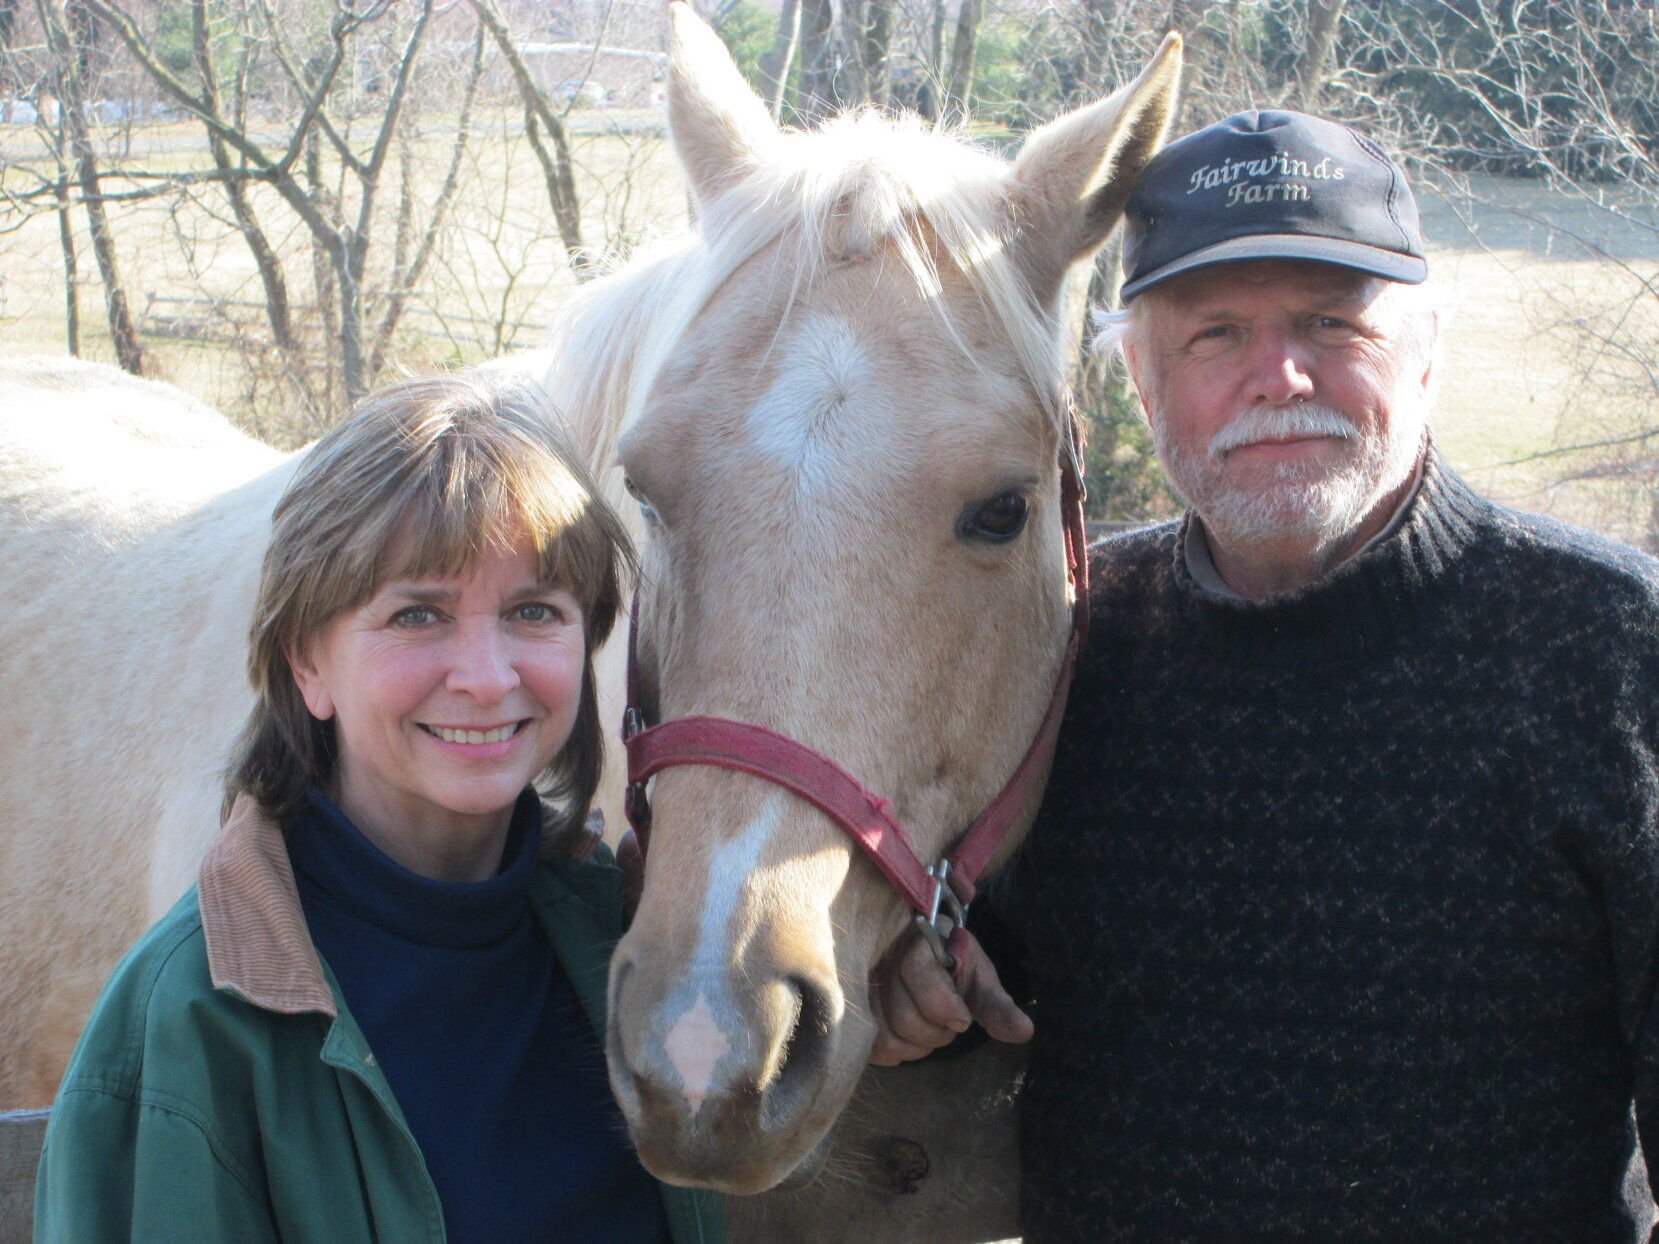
{"x": 824, "y": 367}
{"x": 699, "y": 1038}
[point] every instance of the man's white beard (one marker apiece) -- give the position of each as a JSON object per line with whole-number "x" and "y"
{"x": 1298, "y": 500}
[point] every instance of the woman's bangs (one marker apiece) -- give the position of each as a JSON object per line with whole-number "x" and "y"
{"x": 456, "y": 518}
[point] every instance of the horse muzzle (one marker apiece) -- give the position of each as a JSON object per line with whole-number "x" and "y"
{"x": 729, "y": 1090}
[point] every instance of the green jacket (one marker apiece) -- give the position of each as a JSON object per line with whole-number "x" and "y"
{"x": 222, "y": 1091}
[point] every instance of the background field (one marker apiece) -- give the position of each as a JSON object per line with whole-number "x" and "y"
{"x": 1523, "y": 268}
{"x": 498, "y": 273}
{"x": 1525, "y": 275}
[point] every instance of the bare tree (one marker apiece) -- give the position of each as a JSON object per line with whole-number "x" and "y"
{"x": 1323, "y": 19}
{"x": 818, "y": 61}
{"x": 964, "y": 49}
{"x": 335, "y": 150}
{"x": 876, "y": 46}
{"x": 775, "y": 66}
{"x": 411, "y": 257}
{"x": 1491, "y": 96}
{"x": 343, "y": 235}
{"x": 236, "y": 187}
{"x": 68, "y": 35}
{"x": 547, "y": 137}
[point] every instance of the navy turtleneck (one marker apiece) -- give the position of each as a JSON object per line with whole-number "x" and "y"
{"x": 480, "y": 1035}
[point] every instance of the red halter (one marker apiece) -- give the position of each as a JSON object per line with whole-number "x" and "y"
{"x": 940, "y": 895}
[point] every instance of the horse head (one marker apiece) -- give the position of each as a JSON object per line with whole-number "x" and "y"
{"x": 843, "y": 419}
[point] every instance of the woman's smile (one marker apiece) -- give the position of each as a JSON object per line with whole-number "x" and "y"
{"x": 474, "y": 734}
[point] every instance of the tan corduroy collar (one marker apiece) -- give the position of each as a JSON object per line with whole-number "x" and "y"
{"x": 258, "y": 945}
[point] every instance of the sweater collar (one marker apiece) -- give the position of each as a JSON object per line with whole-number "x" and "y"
{"x": 258, "y": 945}
{"x": 334, "y": 860}
{"x": 1361, "y": 603}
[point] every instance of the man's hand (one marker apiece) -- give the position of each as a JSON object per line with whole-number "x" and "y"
{"x": 918, "y": 1007}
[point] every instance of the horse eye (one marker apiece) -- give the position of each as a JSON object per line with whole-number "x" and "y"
{"x": 999, "y": 519}
{"x": 638, "y": 494}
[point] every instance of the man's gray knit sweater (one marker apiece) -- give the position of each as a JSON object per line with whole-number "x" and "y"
{"x": 1342, "y": 911}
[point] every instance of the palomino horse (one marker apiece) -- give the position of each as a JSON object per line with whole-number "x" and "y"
{"x": 844, "y": 420}
{"x": 841, "y": 406}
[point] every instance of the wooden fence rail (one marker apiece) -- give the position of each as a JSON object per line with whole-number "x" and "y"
{"x": 21, "y": 1135}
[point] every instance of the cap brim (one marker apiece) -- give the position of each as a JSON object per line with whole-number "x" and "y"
{"x": 1390, "y": 265}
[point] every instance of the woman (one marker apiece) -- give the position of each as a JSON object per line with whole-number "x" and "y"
{"x": 378, "y": 1014}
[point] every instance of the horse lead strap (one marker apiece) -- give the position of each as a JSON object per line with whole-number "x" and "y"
{"x": 947, "y": 888}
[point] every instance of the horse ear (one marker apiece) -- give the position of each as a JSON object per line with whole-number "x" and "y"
{"x": 1073, "y": 176}
{"x": 719, "y": 126}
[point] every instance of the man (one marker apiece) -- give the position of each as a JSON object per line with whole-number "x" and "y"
{"x": 1341, "y": 917}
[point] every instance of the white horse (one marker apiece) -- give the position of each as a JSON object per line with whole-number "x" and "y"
{"x": 818, "y": 396}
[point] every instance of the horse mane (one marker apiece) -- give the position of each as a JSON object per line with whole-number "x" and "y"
{"x": 861, "y": 184}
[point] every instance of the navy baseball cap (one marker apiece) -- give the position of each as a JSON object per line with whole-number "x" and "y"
{"x": 1271, "y": 185}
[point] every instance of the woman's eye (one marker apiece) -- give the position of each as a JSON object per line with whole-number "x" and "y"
{"x": 538, "y": 612}
{"x": 415, "y": 615}
{"x": 999, "y": 519}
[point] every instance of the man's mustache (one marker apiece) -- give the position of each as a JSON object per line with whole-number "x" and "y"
{"x": 1277, "y": 423}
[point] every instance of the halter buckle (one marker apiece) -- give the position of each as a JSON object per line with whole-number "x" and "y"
{"x": 636, "y": 806}
{"x": 946, "y": 913}
{"x": 633, "y": 721}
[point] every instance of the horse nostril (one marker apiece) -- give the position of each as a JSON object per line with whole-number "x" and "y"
{"x": 802, "y": 1068}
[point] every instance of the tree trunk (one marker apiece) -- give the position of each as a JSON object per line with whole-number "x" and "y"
{"x": 123, "y": 332}
{"x": 72, "y": 116}
{"x": 1098, "y": 21}
{"x": 407, "y": 276}
{"x": 555, "y": 164}
{"x": 71, "y": 266}
{"x": 964, "y": 48}
{"x": 66, "y": 234}
{"x": 1324, "y": 16}
{"x": 775, "y": 64}
{"x": 348, "y": 258}
{"x": 927, "y": 99}
{"x": 817, "y": 59}
{"x": 325, "y": 288}
{"x": 878, "y": 39}
{"x": 850, "y": 91}
{"x": 561, "y": 188}
{"x": 266, "y": 263}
